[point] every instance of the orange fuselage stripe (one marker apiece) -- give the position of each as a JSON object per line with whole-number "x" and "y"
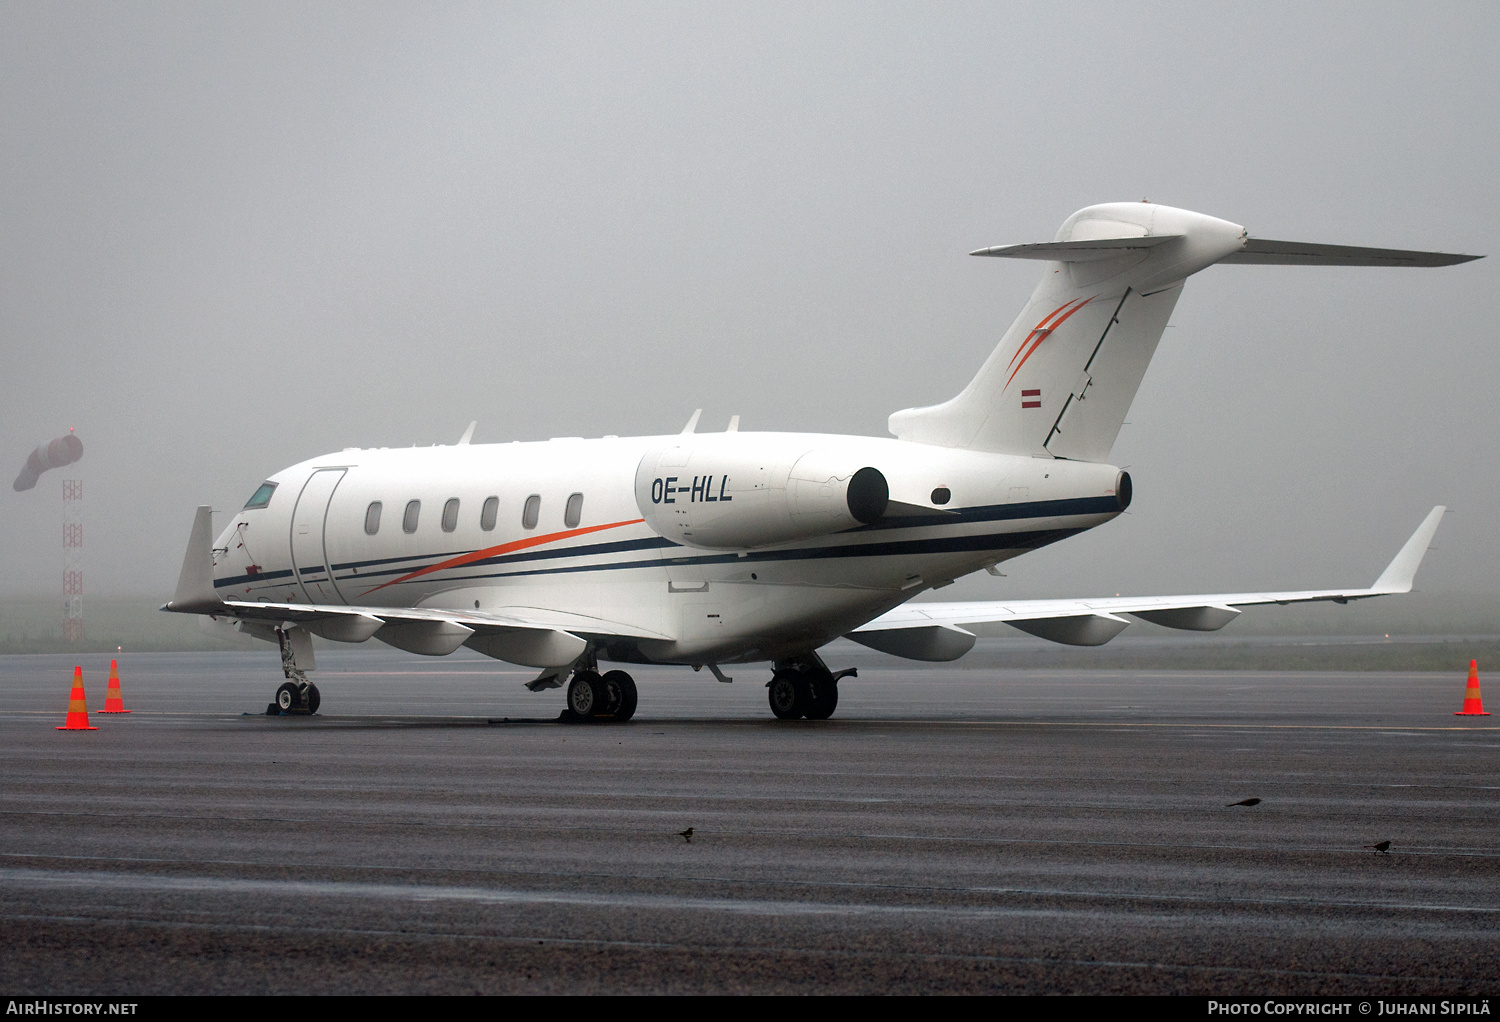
{"x": 503, "y": 548}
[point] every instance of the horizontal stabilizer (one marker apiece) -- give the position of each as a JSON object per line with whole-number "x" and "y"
{"x": 1060, "y": 382}
{"x": 1076, "y": 251}
{"x": 1298, "y": 253}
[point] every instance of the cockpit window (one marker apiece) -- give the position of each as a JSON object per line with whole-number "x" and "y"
{"x": 262, "y": 496}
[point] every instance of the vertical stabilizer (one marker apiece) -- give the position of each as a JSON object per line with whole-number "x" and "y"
{"x": 1062, "y": 379}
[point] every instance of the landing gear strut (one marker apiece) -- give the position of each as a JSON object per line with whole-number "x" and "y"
{"x": 805, "y": 687}
{"x": 298, "y": 695}
{"x": 592, "y": 696}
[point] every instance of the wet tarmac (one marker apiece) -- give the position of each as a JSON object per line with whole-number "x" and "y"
{"x": 949, "y": 830}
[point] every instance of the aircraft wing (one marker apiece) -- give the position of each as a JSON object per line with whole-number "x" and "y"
{"x": 530, "y": 636}
{"x": 946, "y": 631}
{"x": 310, "y": 614}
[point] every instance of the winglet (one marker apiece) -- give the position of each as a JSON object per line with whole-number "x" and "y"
{"x": 1402, "y": 571}
{"x": 468, "y": 434}
{"x": 195, "y": 586}
{"x": 692, "y": 424}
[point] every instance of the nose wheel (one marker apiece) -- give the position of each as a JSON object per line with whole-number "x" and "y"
{"x": 294, "y": 698}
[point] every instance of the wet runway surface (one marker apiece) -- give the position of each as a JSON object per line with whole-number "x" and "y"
{"x": 949, "y": 830}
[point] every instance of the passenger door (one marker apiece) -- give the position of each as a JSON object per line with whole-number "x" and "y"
{"x": 309, "y": 557}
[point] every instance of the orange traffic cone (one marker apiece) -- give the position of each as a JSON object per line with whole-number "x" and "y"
{"x": 112, "y": 701}
{"x": 1473, "y": 706}
{"x": 78, "y": 706}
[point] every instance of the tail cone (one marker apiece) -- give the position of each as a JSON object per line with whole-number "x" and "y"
{"x": 112, "y": 701}
{"x": 78, "y": 706}
{"x": 1473, "y": 705}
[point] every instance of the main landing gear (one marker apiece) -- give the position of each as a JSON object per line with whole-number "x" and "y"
{"x": 805, "y": 688}
{"x": 592, "y": 696}
{"x": 298, "y": 696}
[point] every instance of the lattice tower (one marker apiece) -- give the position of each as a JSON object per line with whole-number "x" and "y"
{"x": 73, "y": 560}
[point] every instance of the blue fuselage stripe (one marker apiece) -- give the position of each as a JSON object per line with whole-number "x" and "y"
{"x": 350, "y": 571}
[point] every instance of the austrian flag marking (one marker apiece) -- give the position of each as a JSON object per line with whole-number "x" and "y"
{"x": 1031, "y": 399}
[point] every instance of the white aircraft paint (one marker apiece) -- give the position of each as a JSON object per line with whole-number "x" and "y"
{"x": 708, "y": 549}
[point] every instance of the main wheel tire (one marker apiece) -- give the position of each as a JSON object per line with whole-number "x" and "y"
{"x": 288, "y": 698}
{"x": 621, "y": 688}
{"x": 613, "y": 696}
{"x": 785, "y": 697}
{"x": 313, "y": 699}
{"x": 823, "y": 700}
{"x": 586, "y": 695}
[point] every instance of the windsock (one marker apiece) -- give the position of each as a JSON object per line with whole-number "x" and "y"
{"x": 63, "y": 451}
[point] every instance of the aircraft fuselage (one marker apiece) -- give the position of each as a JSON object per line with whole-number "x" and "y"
{"x": 715, "y": 547}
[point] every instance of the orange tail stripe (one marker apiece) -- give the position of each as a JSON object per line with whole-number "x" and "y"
{"x": 1044, "y": 336}
{"x": 1039, "y": 328}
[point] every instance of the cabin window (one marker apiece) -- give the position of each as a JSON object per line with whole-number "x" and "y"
{"x": 488, "y": 515}
{"x": 261, "y": 497}
{"x": 573, "y": 513}
{"x": 409, "y": 520}
{"x": 372, "y": 518}
{"x": 532, "y": 512}
{"x": 450, "y": 515}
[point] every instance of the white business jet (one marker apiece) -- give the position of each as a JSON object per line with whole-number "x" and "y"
{"x": 727, "y": 548}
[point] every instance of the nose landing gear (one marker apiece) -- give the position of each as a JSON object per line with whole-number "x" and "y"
{"x": 298, "y": 696}
{"x": 294, "y": 698}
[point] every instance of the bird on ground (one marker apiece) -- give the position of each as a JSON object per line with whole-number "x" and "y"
{"x": 1245, "y": 802}
{"x": 686, "y": 835}
{"x": 1381, "y": 847}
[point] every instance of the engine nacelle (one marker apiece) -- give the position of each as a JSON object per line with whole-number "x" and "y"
{"x": 728, "y": 492}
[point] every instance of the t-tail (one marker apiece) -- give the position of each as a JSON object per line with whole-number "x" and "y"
{"x": 1063, "y": 377}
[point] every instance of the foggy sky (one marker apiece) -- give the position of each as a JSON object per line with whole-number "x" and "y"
{"x": 236, "y": 236}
